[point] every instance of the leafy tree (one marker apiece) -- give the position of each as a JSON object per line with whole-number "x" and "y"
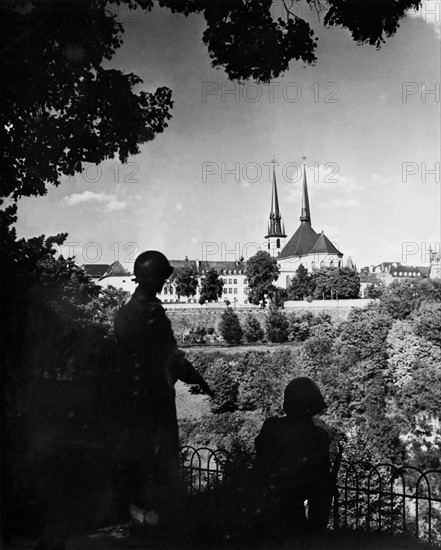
{"x": 230, "y": 328}
{"x": 302, "y": 285}
{"x": 405, "y": 350}
{"x": 225, "y": 387}
{"x": 103, "y": 308}
{"x": 252, "y": 329}
{"x": 276, "y": 325}
{"x": 427, "y": 321}
{"x": 363, "y": 335}
{"x": 402, "y": 297}
{"x": 375, "y": 289}
{"x": 186, "y": 281}
{"x": 211, "y": 288}
{"x": 262, "y": 270}
{"x": 299, "y": 328}
{"x": 332, "y": 282}
{"x": 61, "y": 107}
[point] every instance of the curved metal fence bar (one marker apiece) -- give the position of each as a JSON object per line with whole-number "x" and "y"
{"x": 347, "y": 488}
{"x": 398, "y": 473}
{"x": 423, "y": 476}
{"x": 373, "y": 497}
{"x": 393, "y": 499}
{"x": 371, "y": 492}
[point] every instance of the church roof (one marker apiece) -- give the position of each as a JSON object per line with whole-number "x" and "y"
{"x": 177, "y": 264}
{"x": 324, "y": 246}
{"x": 300, "y": 243}
{"x": 115, "y": 270}
{"x": 305, "y": 240}
{"x": 223, "y": 267}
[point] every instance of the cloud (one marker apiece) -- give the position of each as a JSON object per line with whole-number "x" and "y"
{"x": 340, "y": 203}
{"x": 115, "y": 205}
{"x": 109, "y": 202}
{"x": 179, "y": 206}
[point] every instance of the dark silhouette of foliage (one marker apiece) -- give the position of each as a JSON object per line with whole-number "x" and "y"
{"x": 186, "y": 281}
{"x": 365, "y": 26}
{"x": 230, "y": 327}
{"x": 262, "y": 270}
{"x": 62, "y": 107}
{"x": 211, "y": 288}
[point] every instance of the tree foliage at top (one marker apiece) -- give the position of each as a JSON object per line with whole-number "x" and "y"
{"x": 61, "y": 107}
{"x": 262, "y": 270}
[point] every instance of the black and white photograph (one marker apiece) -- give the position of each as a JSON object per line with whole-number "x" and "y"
{"x": 220, "y": 274}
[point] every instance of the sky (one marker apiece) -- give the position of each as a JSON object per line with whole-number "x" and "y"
{"x": 365, "y": 122}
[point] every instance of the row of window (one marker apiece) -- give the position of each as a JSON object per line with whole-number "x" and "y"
{"x": 169, "y": 289}
{"x": 409, "y": 274}
{"x": 230, "y": 291}
{"x": 232, "y": 281}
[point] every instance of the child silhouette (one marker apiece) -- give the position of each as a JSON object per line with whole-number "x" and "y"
{"x": 292, "y": 462}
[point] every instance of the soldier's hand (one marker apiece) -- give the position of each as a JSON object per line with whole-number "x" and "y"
{"x": 206, "y": 389}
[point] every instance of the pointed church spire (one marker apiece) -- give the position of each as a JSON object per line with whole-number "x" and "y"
{"x": 275, "y": 197}
{"x": 305, "y": 215}
{"x": 275, "y": 218}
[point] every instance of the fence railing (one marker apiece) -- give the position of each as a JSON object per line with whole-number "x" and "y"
{"x": 380, "y": 498}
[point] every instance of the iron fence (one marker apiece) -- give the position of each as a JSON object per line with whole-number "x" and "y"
{"x": 380, "y": 498}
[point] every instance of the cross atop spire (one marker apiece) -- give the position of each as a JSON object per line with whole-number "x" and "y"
{"x": 305, "y": 215}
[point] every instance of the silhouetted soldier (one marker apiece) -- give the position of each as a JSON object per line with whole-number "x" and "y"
{"x": 150, "y": 364}
{"x": 292, "y": 461}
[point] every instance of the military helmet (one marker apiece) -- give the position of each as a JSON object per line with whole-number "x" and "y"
{"x": 303, "y": 397}
{"x": 152, "y": 266}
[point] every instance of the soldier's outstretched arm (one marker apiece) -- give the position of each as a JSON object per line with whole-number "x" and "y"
{"x": 188, "y": 374}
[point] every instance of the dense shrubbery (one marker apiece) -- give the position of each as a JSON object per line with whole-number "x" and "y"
{"x": 276, "y": 326}
{"x": 378, "y": 371}
{"x": 252, "y": 329}
{"x": 230, "y": 328}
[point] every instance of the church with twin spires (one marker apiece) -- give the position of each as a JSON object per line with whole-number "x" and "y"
{"x": 313, "y": 250}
